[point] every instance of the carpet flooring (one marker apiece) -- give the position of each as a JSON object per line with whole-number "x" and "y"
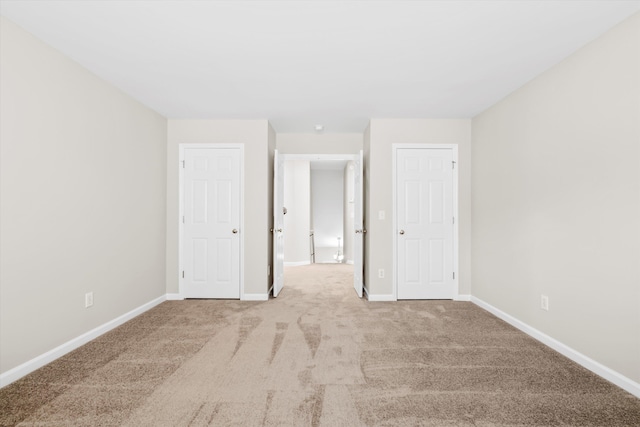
{"x": 315, "y": 356}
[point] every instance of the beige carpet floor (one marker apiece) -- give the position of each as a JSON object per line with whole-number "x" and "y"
{"x": 315, "y": 356}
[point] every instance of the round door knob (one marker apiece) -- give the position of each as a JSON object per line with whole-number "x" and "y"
{"x": 234, "y": 231}
{"x": 401, "y": 231}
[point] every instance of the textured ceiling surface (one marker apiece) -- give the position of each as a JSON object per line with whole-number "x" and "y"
{"x": 302, "y": 63}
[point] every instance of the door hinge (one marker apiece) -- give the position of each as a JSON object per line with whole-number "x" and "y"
{"x": 182, "y": 164}
{"x": 453, "y": 220}
{"x": 183, "y": 219}
{"x": 453, "y": 164}
{"x": 183, "y": 274}
{"x": 454, "y": 275}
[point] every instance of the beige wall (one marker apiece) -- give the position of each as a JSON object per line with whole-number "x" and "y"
{"x": 349, "y": 210}
{"x": 257, "y": 139}
{"x": 297, "y": 221}
{"x": 82, "y": 171}
{"x": 321, "y": 143}
{"x": 556, "y": 201}
{"x": 381, "y": 135}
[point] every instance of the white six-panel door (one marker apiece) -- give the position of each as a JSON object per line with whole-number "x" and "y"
{"x": 211, "y": 229}
{"x": 425, "y": 223}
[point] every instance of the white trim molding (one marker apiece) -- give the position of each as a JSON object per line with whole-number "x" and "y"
{"x": 37, "y": 362}
{"x": 462, "y": 297}
{"x": 174, "y": 297}
{"x": 381, "y": 297}
{"x": 595, "y": 367}
{"x": 378, "y": 297}
{"x": 255, "y": 297}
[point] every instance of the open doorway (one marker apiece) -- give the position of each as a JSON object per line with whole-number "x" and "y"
{"x": 323, "y": 219}
{"x": 318, "y": 196}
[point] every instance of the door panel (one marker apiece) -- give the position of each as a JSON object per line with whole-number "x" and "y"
{"x": 424, "y": 191}
{"x": 358, "y": 224}
{"x": 223, "y": 270}
{"x": 413, "y": 268}
{"x": 224, "y": 202}
{"x": 199, "y": 266}
{"x": 437, "y": 262}
{"x": 278, "y": 223}
{"x": 436, "y": 202}
{"x": 211, "y": 215}
{"x": 413, "y": 208}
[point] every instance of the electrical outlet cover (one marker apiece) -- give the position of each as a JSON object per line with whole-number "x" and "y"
{"x": 544, "y": 302}
{"x": 88, "y": 299}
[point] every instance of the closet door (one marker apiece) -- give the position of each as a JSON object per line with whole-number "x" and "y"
{"x": 425, "y": 223}
{"x": 211, "y": 229}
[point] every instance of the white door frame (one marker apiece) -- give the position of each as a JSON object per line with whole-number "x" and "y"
{"x": 320, "y": 157}
{"x": 454, "y": 152}
{"x": 182, "y": 148}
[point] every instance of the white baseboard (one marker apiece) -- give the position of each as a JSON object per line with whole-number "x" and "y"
{"x": 37, "y": 362}
{"x": 462, "y": 297}
{"x": 349, "y": 261}
{"x": 174, "y": 297}
{"x": 595, "y": 367}
{"x": 255, "y": 297}
{"x": 296, "y": 263}
{"x": 380, "y": 297}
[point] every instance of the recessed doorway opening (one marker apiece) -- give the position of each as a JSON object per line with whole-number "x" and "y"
{"x": 321, "y": 213}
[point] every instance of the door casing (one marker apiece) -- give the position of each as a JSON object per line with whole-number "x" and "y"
{"x": 324, "y": 157}
{"x": 454, "y": 152}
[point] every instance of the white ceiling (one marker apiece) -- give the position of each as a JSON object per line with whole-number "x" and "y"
{"x": 302, "y": 63}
